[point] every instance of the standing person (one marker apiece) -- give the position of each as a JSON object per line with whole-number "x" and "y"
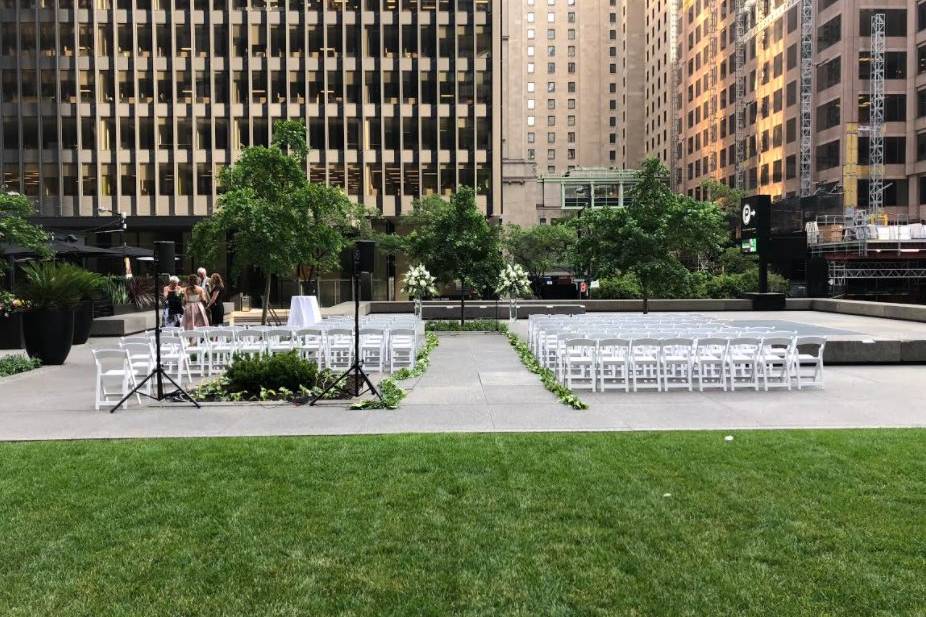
{"x": 173, "y": 302}
{"x": 216, "y": 298}
{"x": 194, "y": 315}
{"x": 203, "y": 279}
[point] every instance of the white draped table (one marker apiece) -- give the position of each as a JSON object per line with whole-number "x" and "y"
{"x": 303, "y": 312}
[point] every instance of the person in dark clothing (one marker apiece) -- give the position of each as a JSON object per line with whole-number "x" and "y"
{"x": 173, "y": 303}
{"x": 215, "y": 305}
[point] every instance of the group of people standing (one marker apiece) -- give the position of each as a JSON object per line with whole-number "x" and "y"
{"x": 196, "y": 304}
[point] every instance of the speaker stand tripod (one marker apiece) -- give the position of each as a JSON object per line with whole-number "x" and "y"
{"x": 356, "y": 368}
{"x": 158, "y": 372}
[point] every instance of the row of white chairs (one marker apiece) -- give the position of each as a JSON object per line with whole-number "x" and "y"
{"x": 682, "y": 363}
{"x": 208, "y": 351}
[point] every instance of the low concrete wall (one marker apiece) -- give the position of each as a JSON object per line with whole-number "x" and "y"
{"x": 589, "y": 306}
{"x": 122, "y": 325}
{"x": 888, "y": 310}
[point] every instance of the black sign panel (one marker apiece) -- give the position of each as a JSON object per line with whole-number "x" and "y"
{"x": 755, "y": 223}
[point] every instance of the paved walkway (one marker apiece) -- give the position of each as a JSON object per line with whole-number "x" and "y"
{"x": 475, "y": 383}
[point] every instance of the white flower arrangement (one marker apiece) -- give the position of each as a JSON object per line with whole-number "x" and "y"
{"x": 513, "y": 282}
{"x": 418, "y": 282}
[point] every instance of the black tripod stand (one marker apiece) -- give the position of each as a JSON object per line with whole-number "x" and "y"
{"x": 158, "y": 372}
{"x": 356, "y": 369}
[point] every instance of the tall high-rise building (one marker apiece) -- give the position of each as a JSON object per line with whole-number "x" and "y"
{"x": 840, "y": 98}
{"x": 660, "y": 74}
{"x": 135, "y": 106}
{"x": 569, "y": 99}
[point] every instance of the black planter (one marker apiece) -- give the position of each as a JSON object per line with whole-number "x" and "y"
{"x": 11, "y": 331}
{"x": 48, "y": 334}
{"x": 83, "y": 321}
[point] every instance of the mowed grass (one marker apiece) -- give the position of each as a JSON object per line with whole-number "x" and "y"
{"x": 670, "y": 524}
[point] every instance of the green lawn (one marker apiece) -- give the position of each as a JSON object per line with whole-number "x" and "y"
{"x": 775, "y": 523}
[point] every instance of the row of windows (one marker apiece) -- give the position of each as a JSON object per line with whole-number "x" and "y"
{"x": 443, "y": 133}
{"x": 170, "y": 179}
{"x": 303, "y": 40}
{"x": 221, "y": 5}
{"x": 317, "y": 87}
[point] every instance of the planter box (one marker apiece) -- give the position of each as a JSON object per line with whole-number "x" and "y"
{"x": 11, "y": 331}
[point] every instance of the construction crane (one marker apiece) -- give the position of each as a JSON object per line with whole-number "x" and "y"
{"x": 742, "y": 37}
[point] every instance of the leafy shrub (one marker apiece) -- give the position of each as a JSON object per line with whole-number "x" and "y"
{"x": 140, "y": 291}
{"x": 254, "y": 374}
{"x": 114, "y": 290}
{"x": 474, "y": 325}
{"x": 57, "y": 285}
{"x": 623, "y": 287}
{"x": 11, "y": 365}
{"x": 692, "y": 285}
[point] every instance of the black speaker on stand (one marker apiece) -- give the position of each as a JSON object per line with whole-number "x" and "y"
{"x": 164, "y": 265}
{"x": 363, "y": 262}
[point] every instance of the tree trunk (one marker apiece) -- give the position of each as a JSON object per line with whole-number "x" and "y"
{"x": 462, "y": 303}
{"x": 266, "y": 302}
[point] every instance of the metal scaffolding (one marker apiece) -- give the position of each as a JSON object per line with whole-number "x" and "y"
{"x": 807, "y": 36}
{"x": 876, "y": 138}
{"x": 840, "y": 272}
{"x": 740, "y": 55}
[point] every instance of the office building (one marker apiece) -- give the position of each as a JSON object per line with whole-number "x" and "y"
{"x": 841, "y": 63}
{"x": 136, "y": 106}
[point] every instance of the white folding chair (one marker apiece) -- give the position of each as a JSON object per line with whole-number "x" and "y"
{"x": 644, "y": 364}
{"x": 613, "y": 362}
{"x": 710, "y": 355}
{"x": 310, "y": 343}
{"x": 401, "y": 349}
{"x": 250, "y": 342}
{"x": 174, "y": 358}
{"x": 742, "y": 362}
{"x": 807, "y": 363}
{"x": 579, "y": 363}
{"x": 197, "y": 349}
{"x": 373, "y": 348}
{"x": 221, "y": 348}
{"x": 675, "y": 363}
{"x": 775, "y": 362}
{"x": 279, "y": 340}
{"x": 339, "y": 352}
{"x": 115, "y": 376}
{"x": 141, "y": 359}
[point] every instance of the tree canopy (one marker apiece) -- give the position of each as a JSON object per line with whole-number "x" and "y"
{"x": 454, "y": 240}
{"x": 15, "y": 228}
{"x": 271, "y": 217}
{"x": 540, "y": 248}
{"x": 652, "y": 237}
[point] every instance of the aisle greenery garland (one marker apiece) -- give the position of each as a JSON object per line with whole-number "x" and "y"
{"x": 389, "y": 388}
{"x": 564, "y": 394}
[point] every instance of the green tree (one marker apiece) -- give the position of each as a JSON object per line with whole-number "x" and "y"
{"x": 15, "y": 228}
{"x": 455, "y": 242}
{"x": 652, "y": 237}
{"x": 258, "y": 219}
{"x": 329, "y": 220}
{"x": 540, "y": 248}
{"x": 727, "y": 198}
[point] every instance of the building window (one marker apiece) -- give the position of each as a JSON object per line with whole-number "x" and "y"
{"x": 828, "y": 155}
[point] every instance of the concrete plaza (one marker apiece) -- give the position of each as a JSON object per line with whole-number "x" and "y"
{"x": 477, "y": 383}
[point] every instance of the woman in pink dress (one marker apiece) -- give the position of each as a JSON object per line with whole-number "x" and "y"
{"x": 194, "y": 315}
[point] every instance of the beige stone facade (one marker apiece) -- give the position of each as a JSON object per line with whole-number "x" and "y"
{"x": 135, "y": 106}
{"x": 840, "y": 101}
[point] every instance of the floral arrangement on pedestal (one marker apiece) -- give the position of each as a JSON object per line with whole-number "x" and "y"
{"x": 418, "y": 283}
{"x": 513, "y": 283}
